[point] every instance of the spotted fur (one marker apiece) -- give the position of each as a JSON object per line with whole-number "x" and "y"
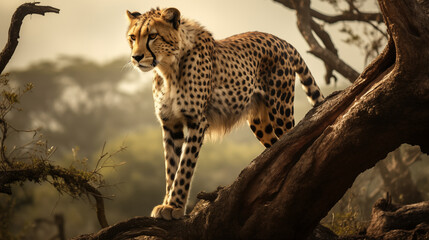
{"x": 207, "y": 86}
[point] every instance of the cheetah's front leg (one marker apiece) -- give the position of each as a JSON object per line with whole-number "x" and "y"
{"x": 174, "y": 207}
{"x": 173, "y": 139}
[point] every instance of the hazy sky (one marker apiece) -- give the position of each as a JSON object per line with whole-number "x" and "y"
{"x": 96, "y": 28}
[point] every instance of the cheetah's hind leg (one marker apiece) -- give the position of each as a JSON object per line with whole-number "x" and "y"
{"x": 262, "y": 127}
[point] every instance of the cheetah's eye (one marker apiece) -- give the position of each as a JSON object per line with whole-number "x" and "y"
{"x": 153, "y": 36}
{"x": 133, "y": 37}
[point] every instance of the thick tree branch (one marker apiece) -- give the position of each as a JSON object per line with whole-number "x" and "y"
{"x": 15, "y": 26}
{"x": 377, "y": 94}
{"x": 326, "y": 39}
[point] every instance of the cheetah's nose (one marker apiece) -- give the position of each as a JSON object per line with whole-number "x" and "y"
{"x": 138, "y": 57}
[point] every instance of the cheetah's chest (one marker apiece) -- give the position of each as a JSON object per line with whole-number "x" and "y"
{"x": 167, "y": 104}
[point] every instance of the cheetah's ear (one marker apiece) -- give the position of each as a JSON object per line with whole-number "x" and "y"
{"x": 132, "y": 15}
{"x": 171, "y": 15}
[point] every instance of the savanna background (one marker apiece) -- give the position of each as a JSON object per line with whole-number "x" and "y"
{"x": 87, "y": 101}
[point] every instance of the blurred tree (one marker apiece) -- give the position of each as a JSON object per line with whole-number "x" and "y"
{"x": 72, "y": 92}
{"x": 396, "y": 175}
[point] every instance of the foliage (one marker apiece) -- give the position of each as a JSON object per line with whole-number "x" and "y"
{"x": 32, "y": 159}
{"x": 346, "y": 224}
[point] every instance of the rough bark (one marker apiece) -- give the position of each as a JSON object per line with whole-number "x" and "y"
{"x": 286, "y": 190}
{"x": 393, "y": 222}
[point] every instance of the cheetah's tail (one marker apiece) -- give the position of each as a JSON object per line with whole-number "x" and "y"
{"x": 314, "y": 95}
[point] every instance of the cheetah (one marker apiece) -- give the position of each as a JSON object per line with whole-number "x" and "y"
{"x": 204, "y": 86}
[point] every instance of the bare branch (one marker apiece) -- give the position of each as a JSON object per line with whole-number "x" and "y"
{"x": 345, "y": 16}
{"x": 305, "y": 26}
{"x": 326, "y": 39}
{"x": 15, "y": 26}
{"x": 377, "y": 29}
{"x": 328, "y": 54}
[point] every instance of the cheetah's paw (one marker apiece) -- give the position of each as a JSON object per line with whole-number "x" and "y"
{"x": 167, "y": 212}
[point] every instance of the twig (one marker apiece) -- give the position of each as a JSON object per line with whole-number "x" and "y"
{"x": 378, "y": 29}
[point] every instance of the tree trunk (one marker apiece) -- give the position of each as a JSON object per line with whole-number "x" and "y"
{"x": 285, "y": 191}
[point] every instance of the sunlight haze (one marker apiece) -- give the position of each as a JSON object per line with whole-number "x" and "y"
{"x": 96, "y": 29}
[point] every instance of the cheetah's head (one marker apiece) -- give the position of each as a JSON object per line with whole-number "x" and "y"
{"x": 153, "y": 37}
